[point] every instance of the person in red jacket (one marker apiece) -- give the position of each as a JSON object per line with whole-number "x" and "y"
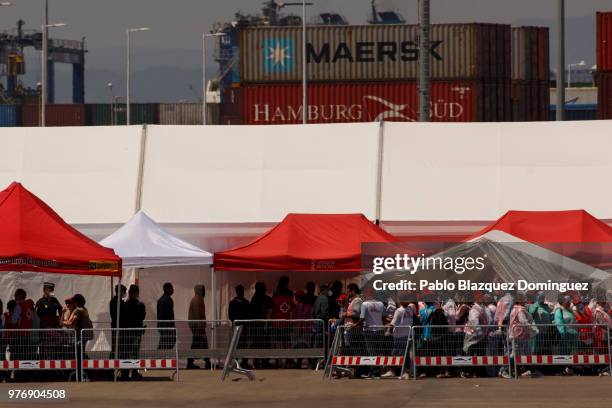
{"x": 23, "y": 319}
{"x": 584, "y": 318}
{"x": 284, "y": 308}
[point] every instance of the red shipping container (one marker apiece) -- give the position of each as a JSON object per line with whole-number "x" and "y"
{"x": 56, "y": 115}
{"x": 451, "y": 101}
{"x": 604, "y": 95}
{"x": 604, "y": 41}
{"x": 530, "y": 101}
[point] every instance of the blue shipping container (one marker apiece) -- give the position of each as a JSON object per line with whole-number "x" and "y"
{"x": 9, "y": 116}
{"x": 575, "y": 112}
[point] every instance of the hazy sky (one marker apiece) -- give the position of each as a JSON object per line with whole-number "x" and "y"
{"x": 177, "y": 25}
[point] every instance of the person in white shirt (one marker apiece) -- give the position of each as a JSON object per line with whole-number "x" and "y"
{"x": 371, "y": 318}
{"x": 399, "y": 328}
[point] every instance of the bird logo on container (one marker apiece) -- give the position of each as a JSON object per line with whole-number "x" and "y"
{"x": 278, "y": 55}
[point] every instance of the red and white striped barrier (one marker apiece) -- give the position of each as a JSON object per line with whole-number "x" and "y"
{"x": 38, "y": 365}
{"x": 368, "y": 361}
{"x": 564, "y": 360}
{"x": 461, "y": 361}
{"x": 166, "y": 363}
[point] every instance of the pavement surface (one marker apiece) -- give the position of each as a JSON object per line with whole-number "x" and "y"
{"x": 305, "y": 388}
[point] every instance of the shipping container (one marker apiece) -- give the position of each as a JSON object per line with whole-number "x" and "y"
{"x": 530, "y": 101}
{"x": 56, "y": 115}
{"x": 604, "y": 41}
{"x": 530, "y": 54}
{"x": 575, "y": 112}
{"x": 182, "y": 113}
{"x": 101, "y": 114}
{"x": 604, "y": 95}
{"x": 451, "y": 101}
{"x": 9, "y": 116}
{"x": 374, "y": 53}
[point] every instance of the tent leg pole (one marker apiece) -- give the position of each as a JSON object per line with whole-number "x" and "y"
{"x": 118, "y": 324}
{"x": 213, "y": 293}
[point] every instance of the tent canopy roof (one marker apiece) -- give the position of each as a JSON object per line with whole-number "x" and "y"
{"x": 574, "y": 233}
{"x": 552, "y": 226}
{"x": 143, "y": 243}
{"x": 305, "y": 243}
{"x": 35, "y": 238}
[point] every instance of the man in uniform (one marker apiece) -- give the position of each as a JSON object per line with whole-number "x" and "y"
{"x": 49, "y": 310}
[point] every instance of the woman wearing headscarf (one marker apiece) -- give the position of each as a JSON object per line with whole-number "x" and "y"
{"x": 539, "y": 310}
{"x": 566, "y": 326}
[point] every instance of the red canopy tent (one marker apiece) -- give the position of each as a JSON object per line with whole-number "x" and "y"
{"x": 34, "y": 238}
{"x": 306, "y": 243}
{"x": 574, "y": 233}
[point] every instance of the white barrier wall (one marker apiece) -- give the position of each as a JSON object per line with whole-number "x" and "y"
{"x": 86, "y": 174}
{"x": 478, "y": 171}
{"x": 218, "y": 187}
{"x": 259, "y": 173}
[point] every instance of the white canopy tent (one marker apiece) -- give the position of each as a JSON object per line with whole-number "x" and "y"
{"x": 142, "y": 243}
{"x": 147, "y": 248}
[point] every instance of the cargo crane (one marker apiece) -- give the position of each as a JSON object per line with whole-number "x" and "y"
{"x": 12, "y": 64}
{"x": 385, "y": 17}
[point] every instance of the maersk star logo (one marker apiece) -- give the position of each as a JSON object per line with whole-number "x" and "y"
{"x": 278, "y": 55}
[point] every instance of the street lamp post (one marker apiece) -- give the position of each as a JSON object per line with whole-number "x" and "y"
{"x": 569, "y": 71}
{"x": 129, "y": 31}
{"x": 560, "y": 59}
{"x": 204, "y": 101}
{"x": 44, "y": 67}
{"x": 303, "y": 3}
{"x": 112, "y": 105}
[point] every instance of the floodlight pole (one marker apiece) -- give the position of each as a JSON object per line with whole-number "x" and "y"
{"x": 560, "y": 60}
{"x": 424, "y": 66}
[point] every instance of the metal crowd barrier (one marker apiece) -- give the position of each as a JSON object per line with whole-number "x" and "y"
{"x": 38, "y": 349}
{"x": 561, "y": 345}
{"x": 460, "y": 346}
{"x": 125, "y": 349}
{"x": 201, "y": 339}
{"x": 274, "y": 339}
{"x": 373, "y": 347}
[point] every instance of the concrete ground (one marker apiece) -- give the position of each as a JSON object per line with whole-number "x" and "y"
{"x": 305, "y": 388}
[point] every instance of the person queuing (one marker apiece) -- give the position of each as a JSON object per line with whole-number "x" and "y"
{"x": 120, "y": 292}
{"x": 261, "y": 308}
{"x": 565, "y": 322}
{"x": 320, "y": 308}
{"x": 399, "y": 327}
{"x": 310, "y": 296}
{"x": 75, "y": 316}
{"x": 135, "y": 312}
{"x": 239, "y": 306}
{"x": 23, "y": 318}
{"x": 197, "y": 324}
{"x": 165, "y": 317}
{"x": 48, "y": 308}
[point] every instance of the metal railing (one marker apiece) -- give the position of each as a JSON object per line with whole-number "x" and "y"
{"x": 466, "y": 346}
{"x": 129, "y": 349}
{"x": 39, "y": 349}
{"x": 373, "y": 347}
{"x": 276, "y": 339}
{"x": 560, "y": 345}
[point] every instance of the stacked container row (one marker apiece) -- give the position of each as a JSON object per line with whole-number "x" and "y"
{"x": 530, "y": 74}
{"x": 451, "y": 101}
{"x": 604, "y": 65}
{"x": 104, "y": 114}
{"x": 368, "y": 73}
{"x": 373, "y": 53}
{"x": 55, "y": 115}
